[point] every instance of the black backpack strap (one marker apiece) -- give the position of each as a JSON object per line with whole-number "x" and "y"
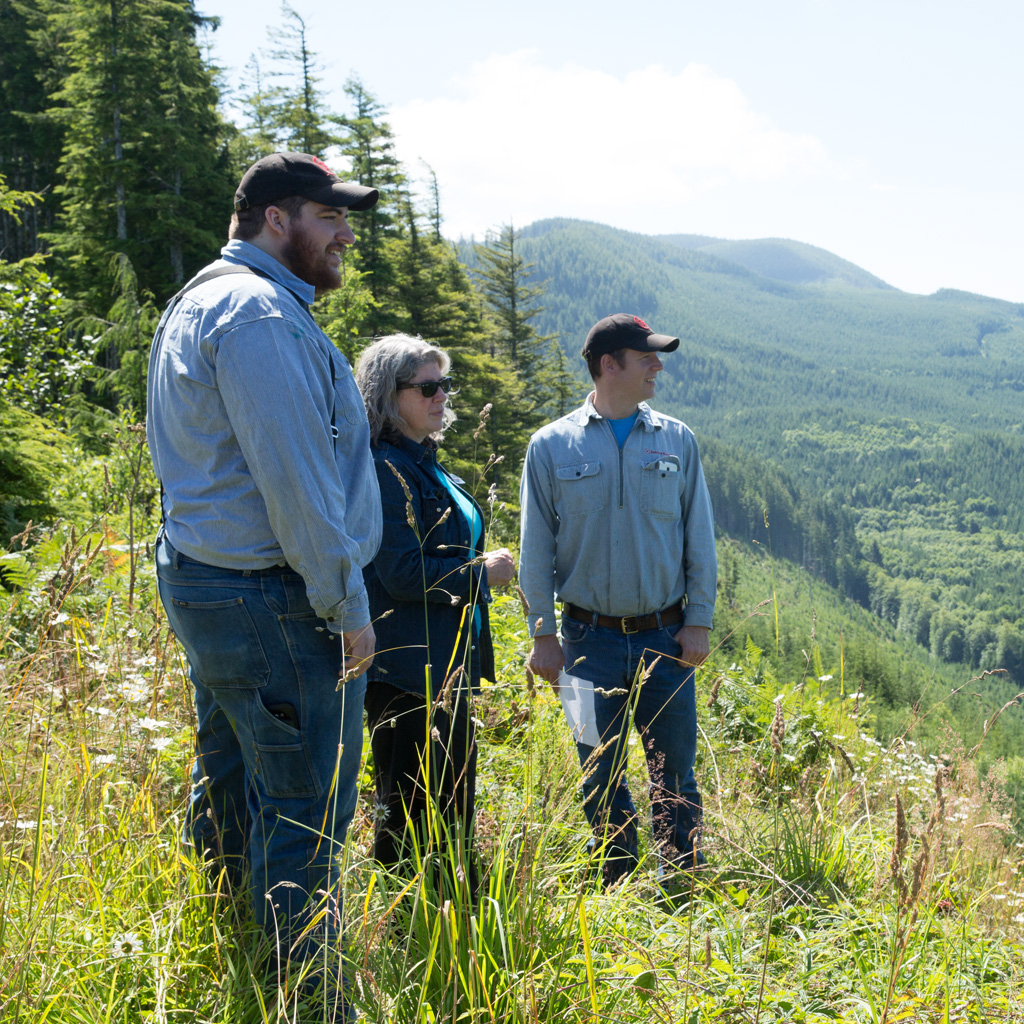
{"x": 241, "y": 268}
{"x": 232, "y": 268}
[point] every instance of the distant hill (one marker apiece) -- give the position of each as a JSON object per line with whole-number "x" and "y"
{"x": 759, "y": 344}
{"x": 782, "y": 260}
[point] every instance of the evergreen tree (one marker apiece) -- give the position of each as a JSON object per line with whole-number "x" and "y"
{"x": 297, "y": 111}
{"x": 434, "y": 212}
{"x": 124, "y": 337}
{"x": 191, "y": 168}
{"x": 370, "y": 148}
{"x": 143, "y": 167}
{"x": 29, "y": 143}
{"x": 504, "y": 279}
{"x": 259, "y": 104}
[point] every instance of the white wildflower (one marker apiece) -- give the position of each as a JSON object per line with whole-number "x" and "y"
{"x": 126, "y": 944}
{"x": 150, "y": 724}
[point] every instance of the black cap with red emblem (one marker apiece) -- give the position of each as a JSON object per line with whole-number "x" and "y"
{"x": 621, "y": 330}
{"x": 281, "y": 175}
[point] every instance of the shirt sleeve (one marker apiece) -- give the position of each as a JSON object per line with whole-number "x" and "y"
{"x": 278, "y": 391}
{"x": 537, "y": 539}
{"x": 700, "y": 561}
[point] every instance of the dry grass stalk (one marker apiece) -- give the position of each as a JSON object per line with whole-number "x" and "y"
{"x": 899, "y": 849}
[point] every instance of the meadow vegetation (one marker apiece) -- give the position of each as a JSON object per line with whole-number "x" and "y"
{"x": 855, "y": 878}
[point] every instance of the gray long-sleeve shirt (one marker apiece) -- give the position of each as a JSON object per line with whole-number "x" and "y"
{"x": 242, "y": 386}
{"x": 618, "y": 532}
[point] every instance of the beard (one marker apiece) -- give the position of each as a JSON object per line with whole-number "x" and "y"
{"x": 309, "y": 261}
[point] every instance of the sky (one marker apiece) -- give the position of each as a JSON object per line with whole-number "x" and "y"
{"x": 889, "y": 133}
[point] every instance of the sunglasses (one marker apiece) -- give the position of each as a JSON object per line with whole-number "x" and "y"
{"x": 429, "y": 387}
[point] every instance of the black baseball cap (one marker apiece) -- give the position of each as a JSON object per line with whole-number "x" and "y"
{"x": 621, "y": 330}
{"x": 298, "y": 174}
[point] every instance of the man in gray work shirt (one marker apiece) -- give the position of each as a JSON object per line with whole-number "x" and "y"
{"x": 259, "y": 437}
{"x": 617, "y": 522}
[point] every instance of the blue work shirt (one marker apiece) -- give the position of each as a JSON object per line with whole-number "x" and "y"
{"x": 617, "y": 531}
{"x": 242, "y": 388}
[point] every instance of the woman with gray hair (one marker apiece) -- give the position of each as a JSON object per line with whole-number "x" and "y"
{"x": 428, "y": 589}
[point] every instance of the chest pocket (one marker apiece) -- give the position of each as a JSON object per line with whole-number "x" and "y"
{"x": 582, "y": 489}
{"x": 435, "y": 503}
{"x": 348, "y": 402}
{"x": 661, "y": 487}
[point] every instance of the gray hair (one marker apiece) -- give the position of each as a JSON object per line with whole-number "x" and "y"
{"x": 385, "y": 364}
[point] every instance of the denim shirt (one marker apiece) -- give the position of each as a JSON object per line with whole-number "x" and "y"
{"x": 616, "y": 531}
{"x": 242, "y": 387}
{"x": 422, "y": 589}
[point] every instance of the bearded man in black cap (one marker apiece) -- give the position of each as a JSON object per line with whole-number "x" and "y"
{"x": 270, "y": 511}
{"x": 617, "y": 525}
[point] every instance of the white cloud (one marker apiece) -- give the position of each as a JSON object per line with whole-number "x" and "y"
{"x": 521, "y": 141}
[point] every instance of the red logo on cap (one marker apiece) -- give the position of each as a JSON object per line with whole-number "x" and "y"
{"x": 640, "y": 322}
{"x": 322, "y": 166}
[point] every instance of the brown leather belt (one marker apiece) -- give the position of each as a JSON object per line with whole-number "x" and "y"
{"x": 628, "y": 623}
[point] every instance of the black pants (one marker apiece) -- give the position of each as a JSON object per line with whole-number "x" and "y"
{"x": 408, "y": 738}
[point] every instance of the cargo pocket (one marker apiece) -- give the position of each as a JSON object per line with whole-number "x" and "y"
{"x": 282, "y": 758}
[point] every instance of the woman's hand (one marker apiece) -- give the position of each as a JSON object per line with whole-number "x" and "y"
{"x": 500, "y": 567}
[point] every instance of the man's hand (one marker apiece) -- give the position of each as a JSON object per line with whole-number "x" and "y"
{"x": 359, "y": 649}
{"x": 695, "y": 644}
{"x": 500, "y": 567}
{"x": 546, "y": 658}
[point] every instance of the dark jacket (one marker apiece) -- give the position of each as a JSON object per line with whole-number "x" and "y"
{"x": 438, "y": 558}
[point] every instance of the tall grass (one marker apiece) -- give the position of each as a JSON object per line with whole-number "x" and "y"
{"x": 103, "y": 918}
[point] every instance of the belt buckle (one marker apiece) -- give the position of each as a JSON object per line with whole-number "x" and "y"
{"x": 630, "y": 624}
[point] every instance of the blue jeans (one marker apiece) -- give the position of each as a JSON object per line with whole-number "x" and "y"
{"x": 278, "y": 746}
{"x": 663, "y": 709}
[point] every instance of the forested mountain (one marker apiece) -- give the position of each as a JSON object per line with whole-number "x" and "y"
{"x": 874, "y": 436}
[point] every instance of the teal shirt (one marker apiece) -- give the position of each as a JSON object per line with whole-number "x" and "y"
{"x": 472, "y": 516}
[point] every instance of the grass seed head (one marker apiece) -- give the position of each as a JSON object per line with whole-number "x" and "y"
{"x": 485, "y": 415}
{"x": 920, "y": 873}
{"x": 778, "y": 727}
{"x": 713, "y": 695}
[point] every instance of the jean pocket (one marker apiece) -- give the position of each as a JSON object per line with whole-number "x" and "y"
{"x": 573, "y": 631}
{"x": 668, "y": 634}
{"x": 221, "y": 641}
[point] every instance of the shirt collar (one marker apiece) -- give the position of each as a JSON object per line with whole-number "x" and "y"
{"x": 647, "y": 416}
{"x": 245, "y": 252}
{"x": 417, "y": 452}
